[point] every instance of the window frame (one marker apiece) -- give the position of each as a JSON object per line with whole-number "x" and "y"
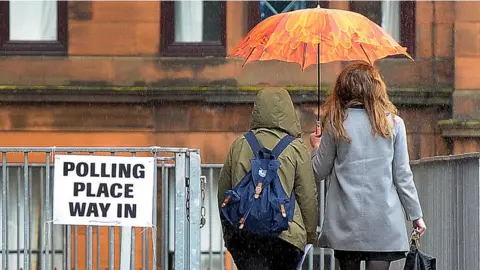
{"x": 407, "y": 25}
{"x": 253, "y": 12}
{"x": 168, "y": 46}
{"x": 40, "y": 48}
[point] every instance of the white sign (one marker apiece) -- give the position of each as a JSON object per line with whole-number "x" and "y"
{"x": 103, "y": 190}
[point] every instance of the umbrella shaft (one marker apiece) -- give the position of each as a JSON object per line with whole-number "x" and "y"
{"x": 318, "y": 83}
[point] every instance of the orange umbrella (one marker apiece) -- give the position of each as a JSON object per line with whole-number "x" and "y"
{"x": 317, "y": 35}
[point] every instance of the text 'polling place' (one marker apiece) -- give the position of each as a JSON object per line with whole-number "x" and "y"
{"x": 103, "y": 190}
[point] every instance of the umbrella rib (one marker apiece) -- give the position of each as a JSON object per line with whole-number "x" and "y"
{"x": 274, "y": 30}
{"x": 368, "y": 58}
{"x": 264, "y": 46}
{"x": 248, "y": 56}
{"x": 304, "y": 58}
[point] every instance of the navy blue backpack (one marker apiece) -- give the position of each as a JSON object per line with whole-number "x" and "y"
{"x": 258, "y": 203}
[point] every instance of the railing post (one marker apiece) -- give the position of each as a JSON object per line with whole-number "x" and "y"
{"x": 126, "y": 244}
{"x": 180, "y": 211}
{"x": 4, "y": 212}
{"x": 165, "y": 236}
{"x": 26, "y": 213}
{"x": 195, "y": 208}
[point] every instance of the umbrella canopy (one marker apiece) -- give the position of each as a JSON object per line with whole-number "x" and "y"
{"x": 303, "y": 36}
{"x": 314, "y": 36}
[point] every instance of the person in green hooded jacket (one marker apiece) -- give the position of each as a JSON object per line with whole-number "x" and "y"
{"x": 273, "y": 117}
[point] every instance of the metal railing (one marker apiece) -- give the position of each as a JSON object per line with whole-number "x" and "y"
{"x": 449, "y": 191}
{"x": 29, "y": 240}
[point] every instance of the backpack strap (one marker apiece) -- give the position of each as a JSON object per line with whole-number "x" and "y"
{"x": 284, "y": 142}
{"x": 253, "y": 142}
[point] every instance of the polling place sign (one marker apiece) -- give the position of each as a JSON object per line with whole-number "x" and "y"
{"x": 103, "y": 190}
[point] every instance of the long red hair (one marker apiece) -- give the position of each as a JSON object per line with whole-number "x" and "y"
{"x": 359, "y": 84}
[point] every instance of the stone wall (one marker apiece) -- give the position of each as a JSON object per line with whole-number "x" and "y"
{"x": 464, "y": 126}
{"x": 118, "y": 43}
{"x": 209, "y": 120}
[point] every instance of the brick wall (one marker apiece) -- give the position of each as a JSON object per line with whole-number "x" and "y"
{"x": 115, "y": 28}
{"x": 130, "y": 31}
{"x": 467, "y": 45}
{"x": 210, "y": 127}
{"x": 435, "y": 21}
{"x": 464, "y": 126}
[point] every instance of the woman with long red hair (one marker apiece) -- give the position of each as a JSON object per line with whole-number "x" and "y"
{"x": 363, "y": 154}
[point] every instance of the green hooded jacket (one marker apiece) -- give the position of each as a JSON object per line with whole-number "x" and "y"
{"x": 274, "y": 117}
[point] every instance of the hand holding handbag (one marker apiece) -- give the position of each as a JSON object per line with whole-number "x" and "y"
{"x": 417, "y": 260}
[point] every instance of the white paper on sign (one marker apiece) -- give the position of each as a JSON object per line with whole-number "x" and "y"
{"x": 307, "y": 249}
{"x": 103, "y": 190}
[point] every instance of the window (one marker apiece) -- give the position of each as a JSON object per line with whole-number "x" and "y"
{"x": 396, "y": 17}
{"x": 260, "y": 10}
{"x": 33, "y": 27}
{"x": 193, "y": 28}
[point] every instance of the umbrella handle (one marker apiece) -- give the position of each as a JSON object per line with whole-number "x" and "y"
{"x": 318, "y": 130}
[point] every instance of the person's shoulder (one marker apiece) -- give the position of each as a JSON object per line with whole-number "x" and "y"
{"x": 238, "y": 142}
{"x": 397, "y": 121}
{"x": 298, "y": 145}
{"x": 398, "y": 126}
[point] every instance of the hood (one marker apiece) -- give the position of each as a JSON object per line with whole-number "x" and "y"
{"x": 274, "y": 109}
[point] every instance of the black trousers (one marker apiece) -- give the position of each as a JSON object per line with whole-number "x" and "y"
{"x": 253, "y": 252}
{"x": 350, "y": 260}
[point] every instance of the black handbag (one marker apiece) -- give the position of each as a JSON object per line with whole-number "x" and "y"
{"x": 417, "y": 260}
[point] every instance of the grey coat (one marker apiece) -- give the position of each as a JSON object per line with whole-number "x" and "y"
{"x": 370, "y": 190}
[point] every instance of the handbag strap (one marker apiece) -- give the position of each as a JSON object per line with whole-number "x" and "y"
{"x": 415, "y": 239}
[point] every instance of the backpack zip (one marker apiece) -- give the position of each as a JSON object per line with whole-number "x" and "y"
{"x": 258, "y": 190}
{"x": 244, "y": 218}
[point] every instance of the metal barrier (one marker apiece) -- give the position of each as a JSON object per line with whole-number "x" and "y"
{"x": 449, "y": 191}
{"x": 29, "y": 240}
